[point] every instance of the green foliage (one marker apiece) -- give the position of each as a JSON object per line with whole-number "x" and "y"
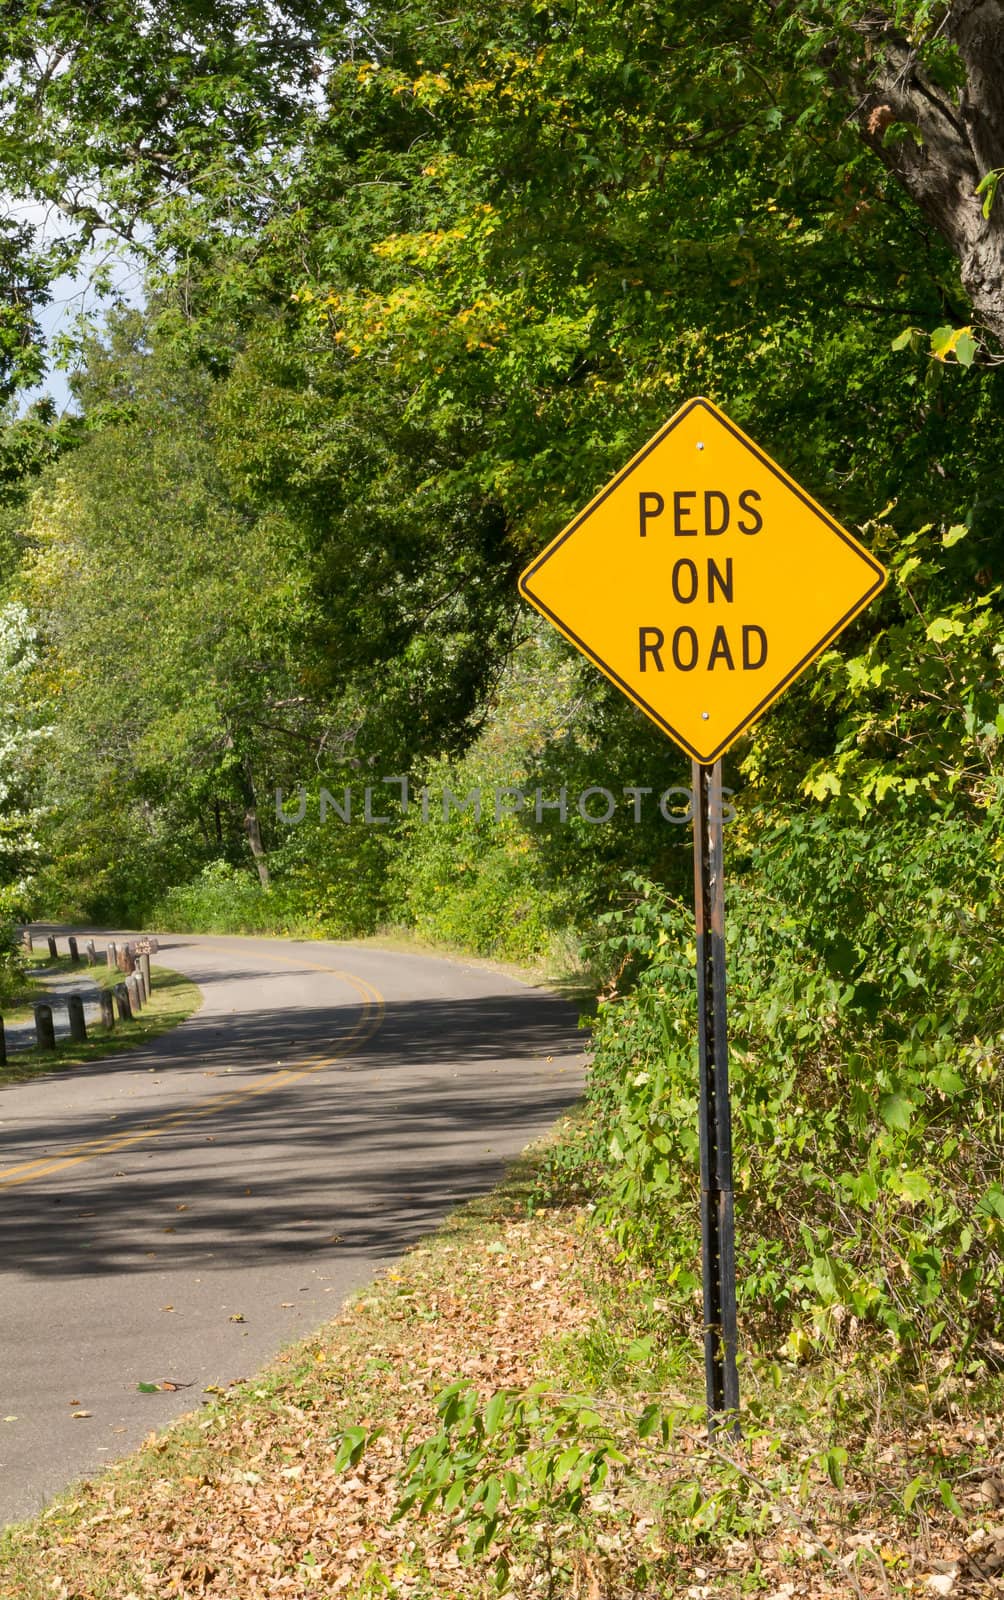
{"x": 523, "y": 1464}
{"x": 865, "y": 982}
{"x": 13, "y": 968}
{"x": 326, "y": 882}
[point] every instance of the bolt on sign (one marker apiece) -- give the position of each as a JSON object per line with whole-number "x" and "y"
{"x": 702, "y": 580}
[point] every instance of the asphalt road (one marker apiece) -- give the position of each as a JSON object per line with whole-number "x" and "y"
{"x": 182, "y": 1212}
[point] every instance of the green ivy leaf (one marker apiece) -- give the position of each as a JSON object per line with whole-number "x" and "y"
{"x": 896, "y": 1111}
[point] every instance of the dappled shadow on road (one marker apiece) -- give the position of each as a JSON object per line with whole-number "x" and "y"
{"x": 359, "y": 1157}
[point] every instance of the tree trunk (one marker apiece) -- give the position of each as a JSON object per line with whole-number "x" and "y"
{"x": 252, "y": 826}
{"x": 939, "y": 143}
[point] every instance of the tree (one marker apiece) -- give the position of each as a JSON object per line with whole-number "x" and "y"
{"x": 113, "y": 113}
{"x": 927, "y": 90}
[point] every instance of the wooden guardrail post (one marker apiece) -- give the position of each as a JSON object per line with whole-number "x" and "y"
{"x": 45, "y": 1033}
{"x": 107, "y": 1008}
{"x": 53, "y": 952}
{"x": 135, "y": 994}
{"x": 111, "y": 953}
{"x": 3, "y": 1044}
{"x": 144, "y": 967}
{"x": 92, "y": 954}
{"x": 78, "y": 1026}
{"x": 26, "y": 940}
{"x": 122, "y": 1002}
{"x": 74, "y": 952}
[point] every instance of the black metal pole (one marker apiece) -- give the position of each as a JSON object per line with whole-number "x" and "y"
{"x": 718, "y": 1234}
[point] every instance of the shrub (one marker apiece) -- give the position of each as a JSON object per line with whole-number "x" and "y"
{"x": 865, "y": 978}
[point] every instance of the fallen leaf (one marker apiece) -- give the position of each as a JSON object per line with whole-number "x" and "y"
{"x": 81, "y": 1413}
{"x": 147, "y": 1388}
{"x": 238, "y": 1316}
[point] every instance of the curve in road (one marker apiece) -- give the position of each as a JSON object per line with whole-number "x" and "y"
{"x": 182, "y": 1212}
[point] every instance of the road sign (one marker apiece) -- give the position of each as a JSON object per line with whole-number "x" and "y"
{"x": 702, "y": 580}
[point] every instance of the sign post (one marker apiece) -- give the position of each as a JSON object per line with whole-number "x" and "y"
{"x": 718, "y": 1228}
{"x": 702, "y": 580}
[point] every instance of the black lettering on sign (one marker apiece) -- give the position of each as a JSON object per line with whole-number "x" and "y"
{"x": 650, "y": 642}
{"x": 723, "y": 504}
{"x": 685, "y": 576}
{"x": 724, "y": 582}
{"x": 680, "y": 511}
{"x": 685, "y": 637}
{"x": 650, "y": 504}
{"x": 720, "y": 651}
{"x": 751, "y": 629}
{"x": 744, "y": 499}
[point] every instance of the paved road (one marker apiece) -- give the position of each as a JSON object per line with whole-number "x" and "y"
{"x": 181, "y": 1212}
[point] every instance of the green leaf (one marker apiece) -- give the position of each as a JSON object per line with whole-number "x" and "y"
{"x": 965, "y": 348}
{"x": 948, "y": 1498}
{"x": 896, "y": 1111}
{"x": 836, "y": 1461}
{"x": 944, "y": 628}
{"x": 494, "y": 1411}
{"x": 454, "y": 1494}
{"x": 911, "y": 1492}
{"x": 913, "y": 1185}
{"x": 148, "y": 1388}
{"x": 954, "y": 534}
{"x": 349, "y": 1452}
{"x": 649, "y": 1421}
{"x": 987, "y": 187}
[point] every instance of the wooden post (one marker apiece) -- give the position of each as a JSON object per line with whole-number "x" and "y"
{"x": 122, "y": 1002}
{"x": 3, "y": 1045}
{"x": 107, "y": 1008}
{"x": 127, "y": 961}
{"x": 135, "y": 994}
{"x": 45, "y": 1034}
{"x": 27, "y": 941}
{"x": 53, "y": 952}
{"x": 78, "y": 1027}
{"x": 92, "y": 954}
{"x": 74, "y": 952}
{"x": 144, "y": 967}
{"x": 111, "y": 954}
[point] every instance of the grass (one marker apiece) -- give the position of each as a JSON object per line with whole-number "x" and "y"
{"x": 849, "y": 1480}
{"x": 172, "y": 999}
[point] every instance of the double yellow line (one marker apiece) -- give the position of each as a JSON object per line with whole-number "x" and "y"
{"x": 364, "y": 1029}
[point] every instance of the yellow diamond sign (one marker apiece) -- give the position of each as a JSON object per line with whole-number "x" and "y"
{"x": 702, "y": 580}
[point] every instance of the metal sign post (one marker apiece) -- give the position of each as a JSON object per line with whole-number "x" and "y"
{"x": 718, "y": 1233}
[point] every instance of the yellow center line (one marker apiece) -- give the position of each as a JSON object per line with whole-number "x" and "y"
{"x": 110, "y": 1144}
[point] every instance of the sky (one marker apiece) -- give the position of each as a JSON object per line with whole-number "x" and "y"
{"x": 72, "y": 296}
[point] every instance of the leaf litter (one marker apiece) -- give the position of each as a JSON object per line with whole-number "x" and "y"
{"x": 245, "y": 1500}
